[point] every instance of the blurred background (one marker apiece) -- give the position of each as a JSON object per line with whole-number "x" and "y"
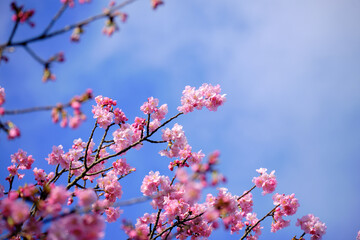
{"x": 290, "y": 69}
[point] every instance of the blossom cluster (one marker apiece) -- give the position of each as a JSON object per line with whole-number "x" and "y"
{"x": 19, "y": 160}
{"x": 110, "y": 24}
{"x": 47, "y": 74}
{"x": 265, "y": 181}
{"x": 288, "y": 206}
{"x": 312, "y": 225}
{"x": 105, "y": 114}
{"x": 21, "y": 15}
{"x": 78, "y": 116}
{"x": 9, "y": 127}
{"x": 206, "y": 96}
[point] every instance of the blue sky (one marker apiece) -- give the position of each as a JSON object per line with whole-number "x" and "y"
{"x": 290, "y": 70}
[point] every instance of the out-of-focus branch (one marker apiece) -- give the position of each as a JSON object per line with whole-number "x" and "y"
{"x": 34, "y": 55}
{"x": 56, "y": 17}
{"x": 33, "y": 109}
{"x": 46, "y": 35}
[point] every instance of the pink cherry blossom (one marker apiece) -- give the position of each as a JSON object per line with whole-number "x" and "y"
{"x": 112, "y": 214}
{"x": 13, "y": 131}
{"x": 313, "y": 226}
{"x": 119, "y": 116}
{"x": 176, "y": 139}
{"x": 21, "y": 15}
{"x": 41, "y": 177}
{"x": 206, "y": 96}
{"x": 2, "y": 96}
{"x": 75, "y": 226}
{"x": 111, "y": 186}
{"x": 156, "y": 3}
{"x": 121, "y": 167}
{"x": 22, "y": 161}
{"x": 265, "y": 181}
{"x": 149, "y": 106}
{"x": 86, "y": 197}
{"x": 58, "y": 195}
{"x": 160, "y": 112}
{"x": 288, "y": 206}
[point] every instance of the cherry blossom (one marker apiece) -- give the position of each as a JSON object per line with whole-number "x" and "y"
{"x": 265, "y": 181}
{"x": 313, "y": 226}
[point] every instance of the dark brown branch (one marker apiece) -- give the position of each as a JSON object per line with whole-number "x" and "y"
{"x": 176, "y": 224}
{"x": 13, "y": 31}
{"x": 83, "y": 174}
{"x": 156, "y": 223}
{"x": 152, "y": 141}
{"x": 259, "y": 221}
{"x": 88, "y": 144}
{"x": 246, "y": 193}
{"x": 34, "y": 55}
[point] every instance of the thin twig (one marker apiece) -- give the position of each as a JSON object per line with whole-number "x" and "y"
{"x": 69, "y": 27}
{"x": 156, "y": 223}
{"x": 152, "y": 141}
{"x": 246, "y": 192}
{"x": 132, "y": 201}
{"x": 88, "y": 144}
{"x": 55, "y": 18}
{"x": 83, "y": 174}
{"x": 13, "y": 31}
{"x": 33, "y": 109}
{"x": 34, "y": 55}
{"x": 262, "y": 219}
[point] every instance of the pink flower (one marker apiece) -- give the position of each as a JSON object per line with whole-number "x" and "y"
{"x": 265, "y": 181}
{"x": 13, "y": 131}
{"x": 18, "y": 210}
{"x": 206, "y": 96}
{"x": 48, "y": 75}
{"x": 119, "y": 116}
{"x": 75, "y": 36}
{"x": 121, "y": 167}
{"x": 150, "y": 106}
{"x": 252, "y": 220}
{"x": 245, "y": 204}
{"x": 112, "y": 214}
{"x": 102, "y": 115}
{"x": 288, "y": 206}
{"x": 154, "y": 125}
{"x": 110, "y": 27}
{"x": 177, "y": 141}
{"x": 111, "y": 186}
{"x": 313, "y": 226}
{"x": 2, "y": 96}
{"x": 75, "y": 226}
{"x": 156, "y": 3}
{"x": 40, "y": 176}
{"x": 23, "y": 161}
{"x": 57, "y": 156}
{"x": 22, "y": 16}
{"x": 58, "y": 195}
{"x": 160, "y": 112}
{"x": 86, "y": 197}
